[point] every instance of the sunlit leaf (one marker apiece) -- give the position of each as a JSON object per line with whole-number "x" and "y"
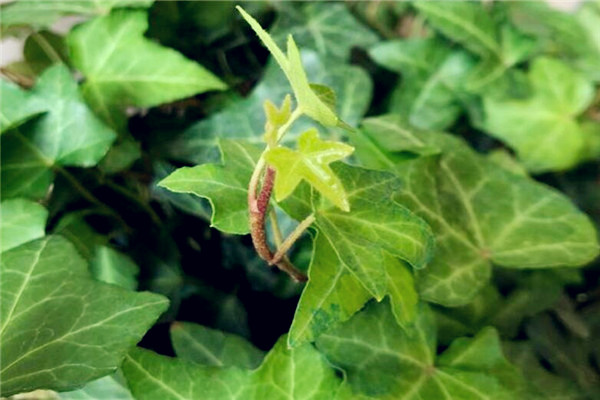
{"x": 310, "y": 163}
{"x": 22, "y": 221}
{"x": 101, "y": 49}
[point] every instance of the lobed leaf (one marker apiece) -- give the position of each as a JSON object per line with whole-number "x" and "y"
{"x": 101, "y": 49}
{"x": 225, "y": 186}
{"x": 211, "y": 347}
{"x": 18, "y": 106}
{"x": 311, "y": 164}
{"x": 543, "y": 128}
{"x": 67, "y": 135}
{"x": 300, "y": 373}
{"x": 481, "y": 214}
{"x": 383, "y": 362}
{"x": 60, "y": 328}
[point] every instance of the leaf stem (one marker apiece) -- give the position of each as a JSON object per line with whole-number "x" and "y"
{"x": 292, "y": 238}
{"x": 285, "y": 127}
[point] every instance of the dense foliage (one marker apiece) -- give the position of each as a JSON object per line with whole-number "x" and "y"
{"x": 435, "y": 169}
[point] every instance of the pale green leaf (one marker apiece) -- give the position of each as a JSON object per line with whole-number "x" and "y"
{"x": 101, "y": 49}
{"x": 481, "y": 214}
{"x": 300, "y": 374}
{"x": 382, "y": 361}
{"x": 111, "y": 387}
{"x": 467, "y": 23}
{"x": 225, "y": 186}
{"x": 42, "y": 14}
{"x": 245, "y": 118}
{"x": 20, "y": 222}
{"x": 110, "y": 266}
{"x": 543, "y": 128}
{"x": 17, "y": 106}
{"x": 67, "y": 135}
{"x": 211, "y": 347}
{"x": 60, "y": 328}
{"x": 328, "y": 28}
{"x": 311, "y": 164}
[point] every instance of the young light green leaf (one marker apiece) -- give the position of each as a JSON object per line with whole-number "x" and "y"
{"x": 301, "y": 374}
{"x": 101, "y": 49}
{"x": 384, "y": 362}
{"x": 211, "y": 347}
{"x": 543, "y": 128}
{"x": 276, "y": 118}
{"x": 67, "y": 135}
{"x": 17, "y": 106}
{"x": 20, "y": 222}
{"x": 481, "y": 214}
{"x": 311, "y": 164}
{"x": 110, "y": 266}
{"x": 60, "y": 328}
{"x": 244, "y": 118}
{"x": 307, "y": 99}
{"x": 225, "y": 186}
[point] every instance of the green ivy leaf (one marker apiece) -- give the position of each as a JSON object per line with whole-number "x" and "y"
{"x": 330, "y": 29}
{"x": 111, "y": 387}
{"x": 74, "y": 227}
{"x": 333, "y": 294}
{"x": 375, "y": 226}
{"x": 481, "y": 214}
{"x": 301, "y": 374}
{"x": 101, "y": 49}
{"x": 42, "y": 14}
{"x": 67, "y": 135}
{"x": 59, "y": 327}
{"x": 543, "y": 128}
{"x": 466, "y": 23}
{"x": 18, "y": 106}
{"x": 311, "y": 164}
{"x": 573, "y": 35}
{"x": 245, "y": 119}
{"x": 110, "y": 266}
{"x": 22, "y": 221}
{"x": 307, "y": 99}
{"x": 383, "y": 362}
{"x": 225, "y": 186}
{"x": 432, "y": 76}
{"x": 211, "y": 347}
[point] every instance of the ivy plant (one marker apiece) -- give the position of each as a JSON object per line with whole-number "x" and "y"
{"x": 300, "y": 200}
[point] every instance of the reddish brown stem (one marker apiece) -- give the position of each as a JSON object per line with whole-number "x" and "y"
{"x": 258, "y": 207}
